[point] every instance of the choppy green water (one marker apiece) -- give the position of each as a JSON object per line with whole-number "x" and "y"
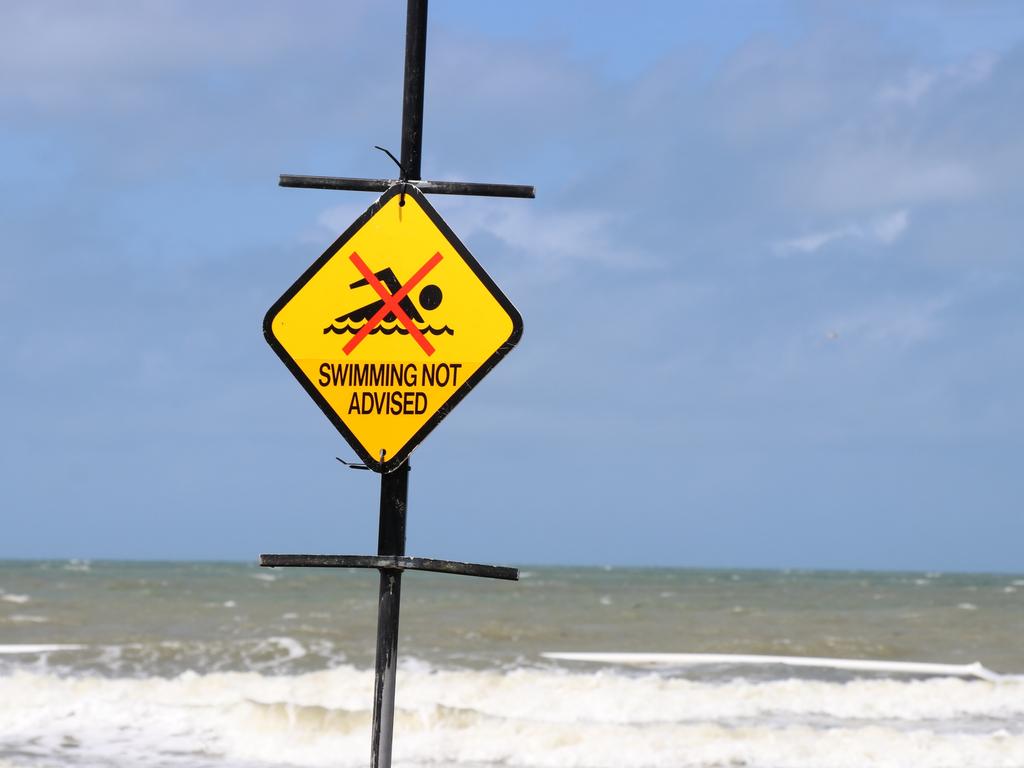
{"x": 165, "y": 618}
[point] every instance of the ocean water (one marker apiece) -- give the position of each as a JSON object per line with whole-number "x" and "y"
{"x": 228, "y": 665}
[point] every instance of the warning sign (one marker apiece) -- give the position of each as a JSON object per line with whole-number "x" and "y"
{"x": 391, "y": 327}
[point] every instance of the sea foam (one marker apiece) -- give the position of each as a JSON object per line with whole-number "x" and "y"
{"x": 524, "y": 717}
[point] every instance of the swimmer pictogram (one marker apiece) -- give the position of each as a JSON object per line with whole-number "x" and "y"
{"x": 394, "y": 305}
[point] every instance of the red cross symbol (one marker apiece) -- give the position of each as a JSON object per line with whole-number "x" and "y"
{"x": 391, "y": 303}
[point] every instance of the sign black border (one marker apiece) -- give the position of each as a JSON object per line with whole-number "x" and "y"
{"x": 393, "y": 462}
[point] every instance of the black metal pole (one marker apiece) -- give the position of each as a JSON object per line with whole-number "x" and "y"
{"x": 412, "y": 102}
{"x": 394, "y": 493}
{"x": 394, "y": 486}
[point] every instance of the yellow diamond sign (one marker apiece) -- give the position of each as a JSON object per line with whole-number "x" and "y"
{"x": 392, "y": 326}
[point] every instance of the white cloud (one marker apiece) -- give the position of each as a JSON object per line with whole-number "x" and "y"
{"x": 70, "y": 56}
{"x": 882, "y": 230}
{"x": 917, "y": 84}
{"x": 887, "y": 137}
{"x": 908, "y": 90}
{"x": 567, "y": 235}
{"x": 894, "y": 322}
{"x": 858, "y": 177}
{"x": 887, "y": 229}
{"x": 552, "y": 239}
{"x": 336, "y": 220}
{"x": 813, "y": 241}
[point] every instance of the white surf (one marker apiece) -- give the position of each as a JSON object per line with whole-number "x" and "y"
{"x": 854, "y": 665}
{"x": 541, "y": 718}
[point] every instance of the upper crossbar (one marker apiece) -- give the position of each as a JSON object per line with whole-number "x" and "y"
{"x": 423, "y": 185}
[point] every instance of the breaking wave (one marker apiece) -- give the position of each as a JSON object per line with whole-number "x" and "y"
{"x": 546, "y": 718}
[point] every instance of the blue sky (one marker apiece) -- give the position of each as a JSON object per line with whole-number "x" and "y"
{"x": 771, "y": 281}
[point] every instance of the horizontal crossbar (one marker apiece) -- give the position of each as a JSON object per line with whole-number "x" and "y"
{"x": 390, "y": 563}
{"x": 429, "y": 187}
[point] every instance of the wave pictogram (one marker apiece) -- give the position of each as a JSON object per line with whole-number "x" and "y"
{"x": 389, "y": 331}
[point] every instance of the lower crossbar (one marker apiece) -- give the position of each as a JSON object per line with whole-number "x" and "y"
{"x": 390, "y": 563}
